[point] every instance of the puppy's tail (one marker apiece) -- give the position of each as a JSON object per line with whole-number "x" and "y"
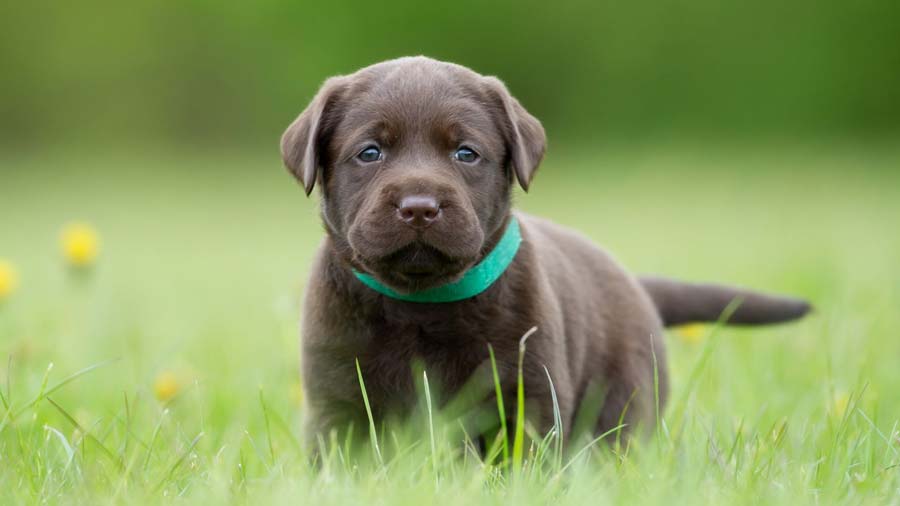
{"x": 679, "y": 302}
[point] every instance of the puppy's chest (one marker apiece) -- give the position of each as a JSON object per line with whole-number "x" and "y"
{"x": 398, "y": 349}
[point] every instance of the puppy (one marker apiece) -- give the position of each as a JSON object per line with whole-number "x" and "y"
{"x": 424, "y": 261}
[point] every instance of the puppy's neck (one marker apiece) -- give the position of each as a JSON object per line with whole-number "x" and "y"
{"x": 472, "y": 282}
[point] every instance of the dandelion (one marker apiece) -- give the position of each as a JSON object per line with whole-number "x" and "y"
{"x": 166, "y": 386}
{"x": 692, "y": 333}
{"x": 839, "y": 402}
{"x": 8, "y": 279}
{"x": 295, "y": 394}
{"x": 80, "y": 244}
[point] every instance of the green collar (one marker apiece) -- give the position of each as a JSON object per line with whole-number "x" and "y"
{"x": 474, "y": 281}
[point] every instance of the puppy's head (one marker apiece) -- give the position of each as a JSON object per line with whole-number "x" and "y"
{"x": 415, "y": 159}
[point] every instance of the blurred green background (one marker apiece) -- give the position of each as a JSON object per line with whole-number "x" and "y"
{"x": 753, "y": 143}
{"x": 235, "y": 73}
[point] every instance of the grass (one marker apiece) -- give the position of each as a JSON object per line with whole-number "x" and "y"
{"x": 170, "y": 372}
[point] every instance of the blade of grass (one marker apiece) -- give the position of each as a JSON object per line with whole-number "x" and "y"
{"x": 430, "y": 423}
{"x": 519, "y": 437}
{"x": 347, "y": 448}
{"x": 153, "y": 439}
{"x": 12, "y": 415}
{"x": 679, "y": 406}
{"x": 586, "y": 448}
{"x": 738, "y": 439}
{"x": 498, "y": 391}
{"x": 3, "y": 397}
{"x": 659, "y": 431}
{"x": 259, "y": 454}
{"x": 280, "y": 424}
{"x": 9, "y": 381}
{"x": 265, "y": 410}
{"x": 494, "y": 450}
{"x": 70, "y": 452}
{"x": 557, "y": 423}
{"x": 618, "y": 444}
{"x": 178, "y": 463}
{"x": 373, "y": 435}
{"x": 44, "y": 392}
{"x": 87, "y": 435}
{"x": 124, "y": 449}
{"x": 878, "y": 431}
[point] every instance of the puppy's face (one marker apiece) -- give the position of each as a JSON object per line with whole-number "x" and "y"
{"x": 416, "y": 159}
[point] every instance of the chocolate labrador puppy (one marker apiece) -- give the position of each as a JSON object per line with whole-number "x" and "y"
{"x": 425, "y": 261}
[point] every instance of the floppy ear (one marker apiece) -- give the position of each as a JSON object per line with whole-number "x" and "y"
{"x": 303, "y": 140}
{"x": 525, "y": 138}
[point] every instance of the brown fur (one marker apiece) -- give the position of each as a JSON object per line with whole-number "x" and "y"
{"x": 597, "y": 324}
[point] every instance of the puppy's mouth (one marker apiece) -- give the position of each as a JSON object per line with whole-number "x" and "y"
{"x": 415, "y": 267}
{"x": 411, "y": 259}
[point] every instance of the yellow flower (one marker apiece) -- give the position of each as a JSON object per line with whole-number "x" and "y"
{"x": 692, "y": 333}
{"x": 8, "y": 279}
{"x": 839, "y": 402}
{"x": 166, "y": 386}
{"x": 295, "y": 394}
{"x": 80, "y": 244}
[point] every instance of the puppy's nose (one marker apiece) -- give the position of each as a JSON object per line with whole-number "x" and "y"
{"x": 419, "y": 211}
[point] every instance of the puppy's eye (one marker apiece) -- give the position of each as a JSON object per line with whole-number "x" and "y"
{"x": 370, "y": 154}
{"x": 466, "y": 155}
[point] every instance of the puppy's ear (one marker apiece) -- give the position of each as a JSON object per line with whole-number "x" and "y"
{"x": 524, "y": 135}
{"x": 303, "y": 141}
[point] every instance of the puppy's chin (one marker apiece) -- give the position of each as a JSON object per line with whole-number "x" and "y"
{"x": 416, "y": 267}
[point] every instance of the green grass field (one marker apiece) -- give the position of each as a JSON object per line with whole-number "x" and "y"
{"x": 190, "y": 315}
